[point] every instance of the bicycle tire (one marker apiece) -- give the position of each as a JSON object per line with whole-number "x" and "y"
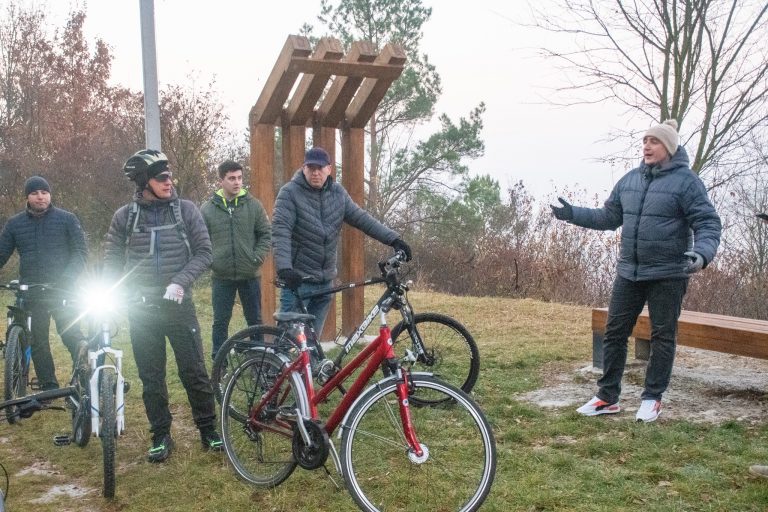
{"x": 451, "y": 352}
{"x": 260, "y": 457}
{"x": 460, "y": 465}
{"x": 81, "y": 402}
{"x": 107, "y": 430}
{"x": 236, "y": 348}
{"x": 16, "y": 369}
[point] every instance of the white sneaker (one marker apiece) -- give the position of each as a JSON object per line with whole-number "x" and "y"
{"x": 759, "y": 470}
{"x": 597, "y": 406}
{"x": 649, "y": 410}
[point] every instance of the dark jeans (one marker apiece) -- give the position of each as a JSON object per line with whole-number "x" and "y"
{"x": 223, "y": 299}
{"x": 317, "y": 306}
{"x": 664, "y": 298}
{"x": 68, "y": 327}
{"x": 149, "y": 328}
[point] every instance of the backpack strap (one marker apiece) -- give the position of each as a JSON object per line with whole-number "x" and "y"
{"x": 133, "y": 222}
{"x": 180, "y": 226}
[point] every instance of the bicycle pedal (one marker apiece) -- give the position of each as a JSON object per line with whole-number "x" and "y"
{"x": 62, "y": 440}
{"x": 34, "y": 384}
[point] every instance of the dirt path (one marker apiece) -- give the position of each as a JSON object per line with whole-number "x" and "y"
{"x": 706, "y": 387}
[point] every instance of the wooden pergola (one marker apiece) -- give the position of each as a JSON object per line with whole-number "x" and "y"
{"x": 334, "y": 92}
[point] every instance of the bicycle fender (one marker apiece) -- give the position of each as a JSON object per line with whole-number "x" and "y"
{"x": 378, "y": 383}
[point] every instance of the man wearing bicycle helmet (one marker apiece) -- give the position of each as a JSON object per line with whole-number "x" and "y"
{"x": 52, "y": 250}
{"x": 306, "y": 226}
{"x": 157, "y": 246}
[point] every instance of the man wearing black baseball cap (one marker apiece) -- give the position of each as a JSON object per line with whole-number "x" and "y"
{"x": 52, "y": 250}
{"x": 306, "y": 226}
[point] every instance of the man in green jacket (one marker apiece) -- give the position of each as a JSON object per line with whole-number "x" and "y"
{"x": 241, "y": 235}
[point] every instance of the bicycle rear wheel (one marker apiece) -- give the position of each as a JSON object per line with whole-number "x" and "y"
{"x": 261, "y": 454}
{"x": 16, "y": 369}
{"x": 238, "y": 347}
{"x": 108, "y": 430}
{"x": 459, "y": 461}
{"x": 449, "y": 350}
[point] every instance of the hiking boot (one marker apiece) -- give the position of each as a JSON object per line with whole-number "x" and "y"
{"x": 649, "y": 410}
{"x": 758, "y": 470}
{"x": 596, "y": 406}
{"x": 211, "y": 441}
{"x": 162, "y": 445}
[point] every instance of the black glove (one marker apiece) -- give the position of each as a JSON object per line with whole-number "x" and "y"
{"x": 562, "y": 213}
{"x": 290, "y": 277}
{"x": 399, "y": 245}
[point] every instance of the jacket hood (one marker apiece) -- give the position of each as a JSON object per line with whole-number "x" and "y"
{"x": 218, "y": 197}
{"x": 139, "y": 198}
{"x": 679, "y": 159}
{"x": 300, "y": 180}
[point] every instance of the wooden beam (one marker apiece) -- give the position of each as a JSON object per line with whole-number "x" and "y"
{"x": 374, "y": 70}
{"x": 294, "y": 140}
{"x": 372, "y": 90}
{"x": 352, "y": 240}
{"x": 280, "y": 82}
{"x": 311, "y": 86}
{"x": 331, "y": 110}
{"x": 262, "y": 188}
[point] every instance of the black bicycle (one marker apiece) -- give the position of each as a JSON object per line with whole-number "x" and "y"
{"x": 17, "y": 350}
{"x": 25, "y": 407}
{"x": 434, "y": 342}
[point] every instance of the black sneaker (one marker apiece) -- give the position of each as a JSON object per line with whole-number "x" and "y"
{"x": 211, "y": 441}
{"x": 162, "y": 445}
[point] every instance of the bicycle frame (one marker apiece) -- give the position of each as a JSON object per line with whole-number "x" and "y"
{"x": 377, "y": 352}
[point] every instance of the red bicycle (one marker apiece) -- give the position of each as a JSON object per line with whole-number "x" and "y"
{"x": 409, "y": 441}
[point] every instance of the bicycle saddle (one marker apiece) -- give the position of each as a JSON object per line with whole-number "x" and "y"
{"x": 290, "y": 316}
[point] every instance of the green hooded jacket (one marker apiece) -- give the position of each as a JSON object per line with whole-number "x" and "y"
{"x": 240, "y": 234}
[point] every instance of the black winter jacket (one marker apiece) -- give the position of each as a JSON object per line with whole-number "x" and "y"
{"x": 154, "y": 264}
{"x": 51, "y": 246}
{"x": 307, "y": 222}
{"x": 663, "y": 212}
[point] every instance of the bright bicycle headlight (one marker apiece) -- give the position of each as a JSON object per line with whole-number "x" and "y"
{"x": 97, "y": 298}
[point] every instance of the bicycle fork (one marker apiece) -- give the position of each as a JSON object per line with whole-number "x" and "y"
{"x": 96, "y": 369}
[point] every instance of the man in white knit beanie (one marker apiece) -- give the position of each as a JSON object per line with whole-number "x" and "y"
{"x": 658, "y": 205}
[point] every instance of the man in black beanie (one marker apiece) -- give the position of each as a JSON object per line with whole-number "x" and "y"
{"x": 52, "y": 250}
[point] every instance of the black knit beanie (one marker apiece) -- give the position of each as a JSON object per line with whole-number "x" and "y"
{"x": 36, "y": 183}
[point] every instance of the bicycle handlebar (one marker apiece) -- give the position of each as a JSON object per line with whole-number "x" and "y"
{"x": 30, "y": 404}
{"x": 16, "y": 286}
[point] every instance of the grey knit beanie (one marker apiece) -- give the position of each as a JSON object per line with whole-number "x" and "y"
{"x": 36, "y": 183}
{"x": 666, "y": 132}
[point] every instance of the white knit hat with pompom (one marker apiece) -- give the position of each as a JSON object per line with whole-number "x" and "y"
{"x": 666, "y": 132}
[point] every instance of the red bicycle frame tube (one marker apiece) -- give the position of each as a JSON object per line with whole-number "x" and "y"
{"x": 379, "y": 350}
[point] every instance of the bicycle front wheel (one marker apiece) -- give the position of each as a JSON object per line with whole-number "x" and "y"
{"x": 442, "y": 346}
{"x": 108, "y": 430}
{"x": 456, "y": 469}
{"x": 260, "y": 451}
{"x": 238, "y": 347}
{"x": 16, "y": 369}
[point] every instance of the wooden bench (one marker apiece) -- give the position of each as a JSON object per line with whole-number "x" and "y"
{"x": 729, "y": 334}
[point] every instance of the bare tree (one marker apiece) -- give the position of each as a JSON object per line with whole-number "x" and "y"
{"x": 701, "y": 62}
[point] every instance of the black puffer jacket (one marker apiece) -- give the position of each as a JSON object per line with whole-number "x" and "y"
{"x": 156, "y": 264}
{"x": 51, "y": 246}
{"x": 307, "y": 222}
{"x": 663, "y": 212}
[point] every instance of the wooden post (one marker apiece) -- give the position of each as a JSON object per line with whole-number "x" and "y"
{"x": 353, "y": 254}
{"x": 262, "y": 172}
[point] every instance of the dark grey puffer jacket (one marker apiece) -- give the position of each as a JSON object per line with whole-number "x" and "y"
{"x": 168, "y": 261}
{"x": 307, "y": 222}
{"x": 51, "y": 246}
{"x": 658, "y": 209}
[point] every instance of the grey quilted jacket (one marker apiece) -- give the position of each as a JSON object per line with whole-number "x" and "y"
{"x": 156, "y": 264}
{"x": 663, "y": 212}
{"x": 307, "y": 222}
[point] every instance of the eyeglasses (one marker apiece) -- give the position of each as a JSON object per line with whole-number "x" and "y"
{"x": 162, "y": 178}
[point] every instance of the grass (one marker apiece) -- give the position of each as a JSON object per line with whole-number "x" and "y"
{"x": 549, "y": 460}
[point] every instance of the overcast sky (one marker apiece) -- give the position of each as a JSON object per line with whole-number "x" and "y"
{"x": 478, "y": 50}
